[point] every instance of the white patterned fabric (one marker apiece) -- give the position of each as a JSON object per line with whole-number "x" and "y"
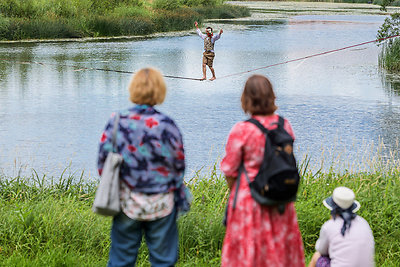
{"x": 145, "y": 207}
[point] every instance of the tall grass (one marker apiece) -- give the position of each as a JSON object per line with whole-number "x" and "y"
{"x": 44, "y": 19}
{"x": 223, "y": 11}
{"x": 389, "y": 57}
{"x": 46, "y": 221}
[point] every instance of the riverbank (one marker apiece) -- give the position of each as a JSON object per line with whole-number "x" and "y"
{"x": 49, "y": 222}
{"x": 264, "y": 10}
{"x": 68, "y": 19}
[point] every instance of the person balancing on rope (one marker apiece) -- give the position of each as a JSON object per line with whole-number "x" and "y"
{"x": 208, "y": 55}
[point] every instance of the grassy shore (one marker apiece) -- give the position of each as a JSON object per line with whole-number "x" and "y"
{"x": 375, "y": 2}
{"x": 48, "y": 221}
{"x": 43, "y": 19}
{"x": 389, "y": 57}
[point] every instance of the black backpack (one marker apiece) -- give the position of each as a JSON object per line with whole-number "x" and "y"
{"x": 278, "y": 179}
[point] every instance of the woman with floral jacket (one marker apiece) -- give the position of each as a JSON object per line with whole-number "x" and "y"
{"x": 152, "y": 190}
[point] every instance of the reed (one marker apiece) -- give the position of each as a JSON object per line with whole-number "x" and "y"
{"x": 389, "y": 57}
{"x": 48, "y": 220}
{"x": 43, "y": 19}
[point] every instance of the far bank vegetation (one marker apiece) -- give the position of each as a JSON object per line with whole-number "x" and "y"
{"x": 48, "y": 19}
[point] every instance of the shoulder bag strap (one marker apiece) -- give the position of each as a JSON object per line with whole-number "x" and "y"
{"x": 114, "y": 133}
{"x": 241, "y": 169}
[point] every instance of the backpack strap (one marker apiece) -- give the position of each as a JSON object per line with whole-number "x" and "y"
{"x": 259, "y": 125}
{"x": 281, "y": 207}
{"x": 241, "y": 168}
{"x": 280, "y": 123}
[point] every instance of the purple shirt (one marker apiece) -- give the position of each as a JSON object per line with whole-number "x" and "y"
{"x": 354, "y": 249}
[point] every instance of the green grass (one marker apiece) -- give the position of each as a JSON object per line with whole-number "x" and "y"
{"x": 46, "y": 221}
{"x": 44, "y": 19}
{"x": 389, "y": 57}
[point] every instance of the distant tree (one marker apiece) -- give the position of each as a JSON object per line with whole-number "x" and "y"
{"x": 386, "y": 3}
{"x": 390, "y": 27}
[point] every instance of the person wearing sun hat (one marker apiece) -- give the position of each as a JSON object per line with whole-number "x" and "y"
{"x": 346, "y": 240}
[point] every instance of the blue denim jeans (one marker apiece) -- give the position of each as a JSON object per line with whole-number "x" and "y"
{"x": 161, "y": 238}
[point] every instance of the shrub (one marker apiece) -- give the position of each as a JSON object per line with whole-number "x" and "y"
{"x": 390, "y": 53}
{"x": 389, "y": 57}
{"x": 4, "y": 28}
{"x": 131, "y": 12}
{"x": 180, "y": 19}
{"x": 166, "y": 4}
{"x": 223, "y": 12}
{"x": 197, "y": 3}
{"x": 106, "y": 26}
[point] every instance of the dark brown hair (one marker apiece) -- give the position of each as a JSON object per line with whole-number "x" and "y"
{"x": 258, "y": 97}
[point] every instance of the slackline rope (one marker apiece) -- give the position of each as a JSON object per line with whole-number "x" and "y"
{"x": 78, "y": 68}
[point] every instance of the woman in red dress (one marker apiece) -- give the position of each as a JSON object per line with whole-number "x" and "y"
{"x": 256, "y": 235}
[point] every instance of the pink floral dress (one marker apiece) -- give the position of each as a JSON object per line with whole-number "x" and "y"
{"x": 256, "y": 235}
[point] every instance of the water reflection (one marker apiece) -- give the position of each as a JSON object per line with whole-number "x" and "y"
{"x": 52, "y": 114}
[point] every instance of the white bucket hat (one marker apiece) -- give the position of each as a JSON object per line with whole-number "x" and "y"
{"x": 344, "y": 198}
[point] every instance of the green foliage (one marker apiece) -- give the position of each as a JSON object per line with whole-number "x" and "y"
{"x": 51, "y": 19}
{"x": 390, "y": 27}
{"x": 126, "y": 11}
{"x": 48, "y": 222}
{"x": 109, "y": 26}
{"x": 380, "y": 3}
{"x": 205, "y": 3}
{"x": 377, "y": 194}
{"x": 176, "y": 20}
{"x": 166, "y": 4}
{"x": 389, "y": 57}
{"x": 223, "y": 12}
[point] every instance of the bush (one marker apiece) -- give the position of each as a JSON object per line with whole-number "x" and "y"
{"x": 197, "y": 3}
{"x": 131, "y": 12}
{"x": 4, "y": 28}
{"x": 390, "y": 53}
{"x": 389, "y": 57}
{"x": 223, "y": 12}
{"x": 106, "y": 26}
{"x": 181, "y": 19}
{"x": 78, "y": 18}
{"x": 166, "y": 4}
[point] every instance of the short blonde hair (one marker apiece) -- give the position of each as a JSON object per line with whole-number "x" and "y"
{"x": 147, "y": 87}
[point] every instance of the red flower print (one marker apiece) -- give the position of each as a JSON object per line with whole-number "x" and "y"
{"x": 180, "y": 155}
{"x": 163, "y": 171}
{"x": 135, "y": 117}
{"x": 131, "y": 148}
{"x": 150, "y": 122}
{"x": 103, "y": 137}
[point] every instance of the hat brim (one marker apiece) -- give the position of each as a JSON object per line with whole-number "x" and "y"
{"x": 329, "y": 204}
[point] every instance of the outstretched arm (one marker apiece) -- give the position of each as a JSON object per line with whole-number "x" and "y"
{"x": 217, "y": 36}
{"x": 202, "y": 36}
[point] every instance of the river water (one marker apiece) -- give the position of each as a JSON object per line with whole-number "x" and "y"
{"x": 52, "y": 115}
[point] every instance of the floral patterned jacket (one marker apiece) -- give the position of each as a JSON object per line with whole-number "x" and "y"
{"x": 152, "y": 150}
